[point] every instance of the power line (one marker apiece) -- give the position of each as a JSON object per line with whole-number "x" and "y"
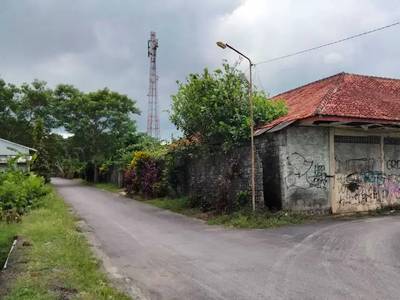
{"x": 332, "y": 43}
{"x": 257, "y": 71}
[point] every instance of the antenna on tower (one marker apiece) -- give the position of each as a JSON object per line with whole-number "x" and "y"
{"x": 153, "y": 119}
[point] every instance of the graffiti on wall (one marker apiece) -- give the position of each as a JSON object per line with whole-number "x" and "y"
{"x": 393, "y": 164}
{"x": 371, "y": 188}
{"x": 305, "y": 173}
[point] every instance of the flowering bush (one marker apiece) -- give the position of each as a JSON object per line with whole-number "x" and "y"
{"x": 103, "y": 169}
{"x": 142, "y": 176}
{"x": 150, "y": 175}
{"x": 131, "y": 182}
{"x": 139, "y": 158}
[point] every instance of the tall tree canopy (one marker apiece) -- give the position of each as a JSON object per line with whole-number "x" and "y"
{"x": 217, "y": 106}
{"x": 98, "y": 120}
{"x": 19, "y": 108}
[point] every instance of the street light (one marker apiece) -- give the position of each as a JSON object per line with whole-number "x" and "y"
{"x": 253, "y": 184}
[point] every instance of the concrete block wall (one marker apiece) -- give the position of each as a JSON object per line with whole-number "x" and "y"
{"x": 268, "y": 168}
{"x": 305, "y": 169}
{"x": 367, "y": 171}
{"x": 291, "y": 167}
{"x": 205, "y": 173}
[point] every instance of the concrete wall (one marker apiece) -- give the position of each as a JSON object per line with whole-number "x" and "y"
{"x": 206, "y": 173}
{"x": 305, "y": 169}
{"x": 367, "y": 171}
{"x": 292, "y": 169}
{"x": 115, "y": 176}
{"x": 269, "y": 152}
{"x": 314, "y": 169}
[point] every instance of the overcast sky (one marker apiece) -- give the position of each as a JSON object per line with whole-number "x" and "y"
{"x": 97, "y": 43}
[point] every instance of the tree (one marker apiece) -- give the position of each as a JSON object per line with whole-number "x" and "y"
{"x": 216, "y": 106}
{"x": 19, "y": 108}
{"x": 12, "y": 127}
{"x": 134, "y": 142}
{"x": 41, "y": 165}
{"x": 36, "y": 99}
{"x": 98, "y": 120}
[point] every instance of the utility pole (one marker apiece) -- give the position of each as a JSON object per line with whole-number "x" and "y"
{"x": 253, "y": 181}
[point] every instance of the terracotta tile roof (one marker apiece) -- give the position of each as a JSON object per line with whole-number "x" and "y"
{"x": 182, "y": 142}
{"x": 344, "y": 95}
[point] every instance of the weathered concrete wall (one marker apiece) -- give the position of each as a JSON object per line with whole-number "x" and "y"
{"x": 292, "y": 169}
{"x": 116, "y": 177}
{"x": 367, "y": 175}
{"x": 310, "y": 169}
{"x": 206, "y": 173}
{"x": 268, "y": 168}
{"x": 305, "y": 169}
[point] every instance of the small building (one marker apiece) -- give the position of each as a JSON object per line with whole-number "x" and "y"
{"x": 9, "y": 150}
{"x": 338, "y": 148}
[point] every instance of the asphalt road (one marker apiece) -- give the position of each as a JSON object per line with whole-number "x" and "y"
{"x": 170, "y": 256}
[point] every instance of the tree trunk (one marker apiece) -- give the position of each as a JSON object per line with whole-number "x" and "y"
{"x": 96, "y": 174}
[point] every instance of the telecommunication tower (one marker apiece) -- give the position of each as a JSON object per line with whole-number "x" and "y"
{"x": 153, "y": 119}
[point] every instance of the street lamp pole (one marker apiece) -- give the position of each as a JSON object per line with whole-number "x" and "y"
{"x": 253, "y": 183}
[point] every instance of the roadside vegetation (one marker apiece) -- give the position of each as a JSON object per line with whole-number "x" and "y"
{"x": 262, "y": 218}
{"x": 7, "y": 233}
{"x": 241, "y": 218}
{"x": 59, "y": 262}
{"x": 52, "y": 260}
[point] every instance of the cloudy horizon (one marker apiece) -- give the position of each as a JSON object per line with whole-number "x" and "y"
{"x": 93, "y": 44}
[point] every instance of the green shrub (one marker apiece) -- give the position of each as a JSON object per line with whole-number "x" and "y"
{"x": 198, "y": 200}
{"x": 7, "y": 233}
{"x": 20, "y": 192}
{"x": 242, "y": 198}
{"x": 160, "y": 189}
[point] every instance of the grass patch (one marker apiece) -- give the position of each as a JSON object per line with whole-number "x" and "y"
{"x": 60, "y": 263}
{"x": 259, "y": 219}
{"x": 103, "y": 186}
{"x": 247, "y": 219}
{"x": 240, "y": 219}
{"x": 180, "y": 205}
{"x": 7, "y": 233}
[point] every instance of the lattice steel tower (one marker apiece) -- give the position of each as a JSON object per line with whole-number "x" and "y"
{"x": 153, "y": 119}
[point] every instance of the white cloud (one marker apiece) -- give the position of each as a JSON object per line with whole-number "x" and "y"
{"x": 96, "y": 44}
{"x": 65, "y": 134}
{"x": 266, "y": 29}
{"x": 333, "y": 58}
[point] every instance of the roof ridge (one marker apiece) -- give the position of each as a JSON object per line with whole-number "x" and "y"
{"x": 372, "y": 77}
{"x": 16, "y": 144}
{"x": 311, "y": 83}
{"x": 320, "y": 109}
